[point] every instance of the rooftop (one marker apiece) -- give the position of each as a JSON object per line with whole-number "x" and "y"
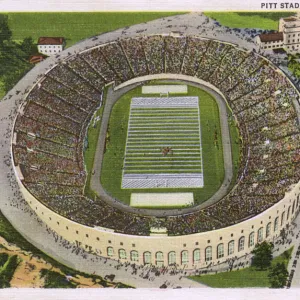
{"x": 290, "y": 19}
{"x": 51, "y": 41}
{"x": 271, "y": 37}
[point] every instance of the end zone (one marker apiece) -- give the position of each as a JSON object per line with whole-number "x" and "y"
{"x": 161, "y": 199}
{"x": 165, "y": 89}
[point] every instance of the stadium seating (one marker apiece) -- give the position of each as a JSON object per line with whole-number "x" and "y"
{"x": 51, "y": 130}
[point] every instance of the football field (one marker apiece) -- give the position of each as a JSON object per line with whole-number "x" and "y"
{"x": 163, "y": 146}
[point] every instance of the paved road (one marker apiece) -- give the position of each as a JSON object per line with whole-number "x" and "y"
{"x": 112, "y": 97}
{"x": 13, "y": 205}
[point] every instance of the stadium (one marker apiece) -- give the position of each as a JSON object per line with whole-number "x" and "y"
{"x": 191, "y": 223}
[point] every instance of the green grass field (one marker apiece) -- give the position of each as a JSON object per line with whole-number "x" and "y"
{"x": 154, "y": 128}
{"x": 75, "y": 26}
{"x": 245, "y": 278}
{"x": 8, "y": 269}
{"x": 259, "y": 20}
{"x": 235, "y": 149}
{"x": 213, "y": 165}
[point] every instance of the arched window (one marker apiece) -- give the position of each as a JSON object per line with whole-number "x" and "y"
{"x": 276, "y": 222}
{"x": 220, "y": 250}
{"x": 134, "y": 255}
{"x": 122, "y": 254}
{"x": 293, "y": 209}
{"x": 147, "y": 257}
{"x": 288, "y": 213}
{"x": 208, "y": 253}
{"x": 184, "y": 257}
{"x": 241, "y": 244}
{"x": 251, "y": 239}
{"x": 260, "y": 235}
{"x": 196, "y": 256}
{"x": 231, "y": 247}
{"x": 171, "y": 258}
{"x": 159, "y": 257}
{"x": 110, "y": 251}
{"x": 268, "y": 229}
{"x": 282, "y": 218}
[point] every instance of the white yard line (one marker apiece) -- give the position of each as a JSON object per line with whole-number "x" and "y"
{"x": 151, "y": 137}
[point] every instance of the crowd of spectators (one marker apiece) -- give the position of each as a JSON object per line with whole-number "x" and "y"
{"x": 51, "y": 129}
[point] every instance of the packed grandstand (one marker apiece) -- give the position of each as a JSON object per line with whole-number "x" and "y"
{"x": 51, "y": 127}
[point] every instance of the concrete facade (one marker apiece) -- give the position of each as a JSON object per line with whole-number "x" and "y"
{"x": 50, "y": 49}
{"x": 189, "y": 251}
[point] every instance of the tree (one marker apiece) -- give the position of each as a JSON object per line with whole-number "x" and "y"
{"x": 5, "y": 32}
{"x": 262, "y": 255}
{"x": 278, "y": 275}
{"x": 27, "y": 46}
{"x": 294, "y": 67}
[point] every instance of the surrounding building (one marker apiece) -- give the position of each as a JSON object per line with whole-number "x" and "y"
{"x": 270, "y": 41}
{"x": 34, "y": 59}
{"x": 51, "y": 45}
{"x": 287, "y": 38}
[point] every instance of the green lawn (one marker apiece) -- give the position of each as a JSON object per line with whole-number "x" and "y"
{"x": 56, "y": 280}
{"x": 75, "y": 26}
{"x": 72, "y": 25}
{"x": 7, "y": 270}
{"x": 260, "y": 20}
{"x": 235, "y": 149}
{"x": 245, "y": 278}
{"x": 212, "y": 155}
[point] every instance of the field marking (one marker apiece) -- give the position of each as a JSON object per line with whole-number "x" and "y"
{"x": 143, "y": 151}
{"x": 161, "y": 199}
{"x": 171, "y": 89}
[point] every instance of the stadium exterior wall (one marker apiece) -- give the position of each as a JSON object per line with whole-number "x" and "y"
{"x": 99, "y": 240}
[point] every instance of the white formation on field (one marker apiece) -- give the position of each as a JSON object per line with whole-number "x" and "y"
{"x": 161, "y": 199}
{"x": 165, "y": 89}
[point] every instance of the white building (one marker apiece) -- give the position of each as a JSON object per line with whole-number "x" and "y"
{"x": 51, "y": 45}
{"x": 270, "y": 41}
{"x": 291, "y": 33}
{"x": 287, "y": 38}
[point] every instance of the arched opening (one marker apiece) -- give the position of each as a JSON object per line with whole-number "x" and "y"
{"x": 122, "y": 254}
{"x": 208, "y": 253}
{"x": 241, "y": 245}
{"x": 196, "y": 256}
{"x": 147, "y": 257}
{"x": 184, "y": 257}
{"x": 172, "y": 258}
{"x": 134, "y": 255}
{"x": 231, "y": 247}
{"x": 159, "y": 258}
{"x": 220, "y": 250}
